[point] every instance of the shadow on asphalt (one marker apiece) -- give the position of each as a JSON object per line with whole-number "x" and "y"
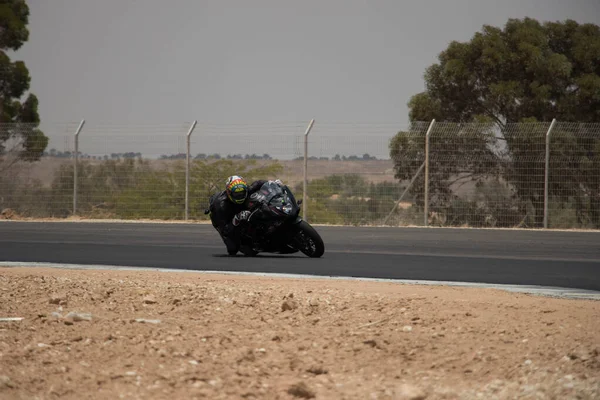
{"x": 259, "y": 256}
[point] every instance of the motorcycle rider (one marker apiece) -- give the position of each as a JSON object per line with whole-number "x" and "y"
{"x": 230, "y": 207}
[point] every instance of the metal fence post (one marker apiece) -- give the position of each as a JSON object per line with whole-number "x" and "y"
{"x": 187, "y": 169}
{"x": 75, "y": 162}
{"x": 305, "y": 182}
{"x": 426, "y": 204}
{"x": 547, "y": 173}
{"x": 397, "y": 203}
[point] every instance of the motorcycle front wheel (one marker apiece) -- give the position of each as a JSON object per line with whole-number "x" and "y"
{"x": 308, "y": 241}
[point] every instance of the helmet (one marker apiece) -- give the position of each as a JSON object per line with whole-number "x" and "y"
{"x": 236, "y": 188}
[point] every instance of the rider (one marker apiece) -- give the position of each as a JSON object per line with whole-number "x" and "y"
{"x": 230, "y": 207}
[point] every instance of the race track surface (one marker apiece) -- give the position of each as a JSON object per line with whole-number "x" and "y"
{"x": 546, "y": 258}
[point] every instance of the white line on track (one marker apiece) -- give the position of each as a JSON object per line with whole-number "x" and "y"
{"x": 530, "y": 289}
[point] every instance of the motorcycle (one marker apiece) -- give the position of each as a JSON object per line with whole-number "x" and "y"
{"x": 275, "y": 226}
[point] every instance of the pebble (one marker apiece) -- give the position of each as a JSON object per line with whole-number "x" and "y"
{"x": 410, "y": 392}
{"x": 57, "y": 299}
{"x": 289, "y": 305}
{"x": 6, "y": 381}
{"x": 77, "y": 317}
{"x": 8, "y": 319}
{"x": 301, "y": 390}
{"x": 148, "y": 321}
{"x": 407, "y": 328}
{"x": 149, "y": 300}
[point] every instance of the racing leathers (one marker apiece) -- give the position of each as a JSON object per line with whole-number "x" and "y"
{"x": 225, "y": 215}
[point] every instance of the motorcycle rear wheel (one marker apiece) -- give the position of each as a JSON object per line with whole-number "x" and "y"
{"x": 248, "y": 251}
{"x": 308, "y": 241}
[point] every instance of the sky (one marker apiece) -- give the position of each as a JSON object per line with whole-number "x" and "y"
{"x": 251, "y": 66}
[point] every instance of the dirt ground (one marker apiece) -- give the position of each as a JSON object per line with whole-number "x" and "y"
{"x": 155, "y": 335}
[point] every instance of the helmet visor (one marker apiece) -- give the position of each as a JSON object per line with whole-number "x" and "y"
{"x": 238, "y": 194}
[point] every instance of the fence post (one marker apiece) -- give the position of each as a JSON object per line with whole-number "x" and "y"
{"x": 75, "y": 162}
{"x": 426, "y": 208}
{"x": 547, "y": 173}
{"x": 397, "y": 203}
{"x": 187, "y": 169}
{"x": 305, "y": 181}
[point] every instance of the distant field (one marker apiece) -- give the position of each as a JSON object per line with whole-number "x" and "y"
{"x": 373, "y": 171}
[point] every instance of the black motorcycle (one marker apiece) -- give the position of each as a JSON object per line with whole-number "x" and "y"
{"x": 275, "y": 226}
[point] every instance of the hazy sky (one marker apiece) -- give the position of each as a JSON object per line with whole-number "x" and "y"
{"x": 239, "y": 61}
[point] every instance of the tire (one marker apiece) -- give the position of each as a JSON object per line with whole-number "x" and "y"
{"x": 308, "y": 241}
{"x": 248, "y": 251}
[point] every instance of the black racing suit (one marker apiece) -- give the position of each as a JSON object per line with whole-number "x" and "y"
{"x": 222, "y": 211}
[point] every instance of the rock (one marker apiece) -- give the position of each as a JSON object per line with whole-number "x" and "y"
{"x": 11, "y": 319}
{"x": 496, "y": 385}
{"x": 410, "y": 392}
{"x": 78, "y": 317}
{"x": 289, "y": 305}
{"x": 317, "y": 370}
{"x": 147, "y": 321}
{"x": 407, "y": 328}
{"x": 58, "y": 299}
{"x": 7, "y": 213}
{"x": 301, "y": 390}
{"x": 5, "y": 381}
{"x": 149, "y": 300}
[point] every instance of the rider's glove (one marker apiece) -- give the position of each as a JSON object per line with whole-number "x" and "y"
{"x": 241, "y": 216}
{"x": 277, "y": 181}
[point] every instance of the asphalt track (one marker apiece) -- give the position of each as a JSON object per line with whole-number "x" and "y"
{"x": 515, "y": 257}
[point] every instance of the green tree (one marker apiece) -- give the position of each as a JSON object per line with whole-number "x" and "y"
{"x": 19, "y": 120}
{"x": 526, "y": 72}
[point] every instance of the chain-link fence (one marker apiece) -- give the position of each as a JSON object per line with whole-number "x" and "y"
{"x": 528, "y": 175}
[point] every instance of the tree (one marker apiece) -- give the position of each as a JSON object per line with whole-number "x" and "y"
{"x": 523, "y": 73}
{"x": 19, "y": 120}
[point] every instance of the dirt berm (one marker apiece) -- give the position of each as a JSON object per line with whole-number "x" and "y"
{"x": 96, "y": 334}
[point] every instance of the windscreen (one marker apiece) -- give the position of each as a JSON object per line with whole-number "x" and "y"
{"x": 271, "y": 191}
